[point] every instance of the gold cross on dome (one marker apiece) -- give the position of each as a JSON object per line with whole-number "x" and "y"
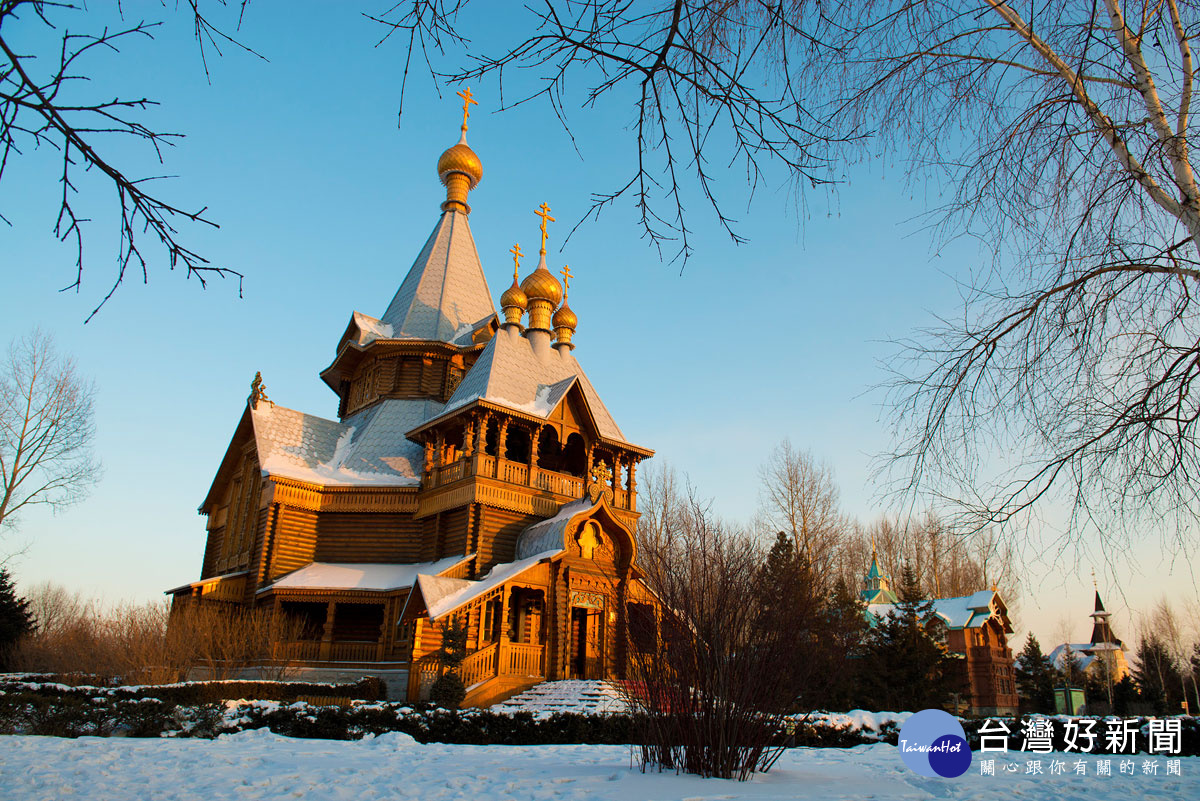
{"x": 517, "y": 254}
{"x": 566, "y": 274}
{"x": 465, "y": 94}
{"x": 544, "y": 212}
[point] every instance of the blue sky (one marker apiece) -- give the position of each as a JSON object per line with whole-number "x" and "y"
{"x": 323, "y": 203}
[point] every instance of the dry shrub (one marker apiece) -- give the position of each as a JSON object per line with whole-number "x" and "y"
{"x": 149, "y": 643}
{"x": 714, "y": 677}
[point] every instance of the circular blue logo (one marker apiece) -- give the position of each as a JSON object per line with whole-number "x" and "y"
{"x": 933, "y": 743}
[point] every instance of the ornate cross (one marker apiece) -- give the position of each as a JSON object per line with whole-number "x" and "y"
{"x": 544, "y": 212}
{"x": 465, "y": 94}
{"x": 566, "y": 274}
{"x": 601, "y": 473}
{"x": 517, "y": 254}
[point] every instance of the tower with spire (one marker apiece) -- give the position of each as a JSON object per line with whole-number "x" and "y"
{"x": 472, "y": 474}
{"x": 876, "y": 585}
{"x": 1103, "y": 658}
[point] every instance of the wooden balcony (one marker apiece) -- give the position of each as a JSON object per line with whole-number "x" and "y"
{"x": 520, "y": 474}
{"x": 987, "y": 653}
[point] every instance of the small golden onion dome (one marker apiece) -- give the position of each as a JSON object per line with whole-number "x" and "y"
{"x": 565, "y": 318}
{"x": 460, "y": 159}
{"x": 514, "y": 296}
{"x": 541, "y": 285}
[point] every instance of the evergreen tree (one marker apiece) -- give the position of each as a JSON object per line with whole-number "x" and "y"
{"x": 784, "y": 584}
{"x": 1125, "y": 695}
{"x": 1035, "y": 678}
{"x": 1156, "y": 675}
{"x": 1070, "y": 674}
{"x": 15, "y": 619}
{"x": 907, "y": 653}
{"x": 789, "y": 603}
{"x": 449, "y": 691}
{"x": 845, "y": 645}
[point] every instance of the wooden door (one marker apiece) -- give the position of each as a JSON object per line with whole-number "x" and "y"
{"x": 579, "y": 642}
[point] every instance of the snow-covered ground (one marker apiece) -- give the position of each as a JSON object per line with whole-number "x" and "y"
{"x": 259, "y": 765}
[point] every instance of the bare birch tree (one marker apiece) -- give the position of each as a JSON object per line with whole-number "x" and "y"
{"x": 49, "y": 104}
{"x": 46, "y": 429}
{"x": 799, "y": 496}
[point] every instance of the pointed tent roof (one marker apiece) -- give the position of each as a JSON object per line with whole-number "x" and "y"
{"x": 1101, "y": 629}
{"x": 875, "y": 583}
{"x": 444, "y": 294}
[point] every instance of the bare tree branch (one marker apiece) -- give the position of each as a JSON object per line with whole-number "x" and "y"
{"x": 40, "y": 106}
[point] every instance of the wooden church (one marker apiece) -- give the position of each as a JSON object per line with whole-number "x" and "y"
{"x": 472, "y": 473}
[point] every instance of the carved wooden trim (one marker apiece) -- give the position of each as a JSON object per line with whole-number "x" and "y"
{"x": 344, "y": 499}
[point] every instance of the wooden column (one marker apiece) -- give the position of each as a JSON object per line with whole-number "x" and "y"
{"x": 535, "y": 436}
{"x": 327, "y": 633}
{"x": 468, "y": 438}
{"x": 632, "y": 486}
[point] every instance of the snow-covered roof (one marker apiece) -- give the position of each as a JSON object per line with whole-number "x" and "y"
{"x": 444, "y": 296}
{"x": 963, "y": 612}
{"x": 967, "y": 611}
{"x": 547, "y": 535}
{"x": 210, "y": 580}
{"x": 446, "y": 595}
{"x": 360, "y": 575}
{"x": 369, "y": 448}
{"x": 511, "y": 373}
{"x": 1058, "y": 657}
{"x": 370, "y": 329}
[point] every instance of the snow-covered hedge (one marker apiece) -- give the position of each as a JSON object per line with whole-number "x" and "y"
{"x": 368, "y": 688}
{"x": 49, "y": 708}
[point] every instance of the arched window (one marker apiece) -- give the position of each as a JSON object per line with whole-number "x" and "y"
{"x": 574, "y": 456}
{"x": 516, "y": 448}
{"x": 491, "y": 441}
{"x": 548, "y": 450}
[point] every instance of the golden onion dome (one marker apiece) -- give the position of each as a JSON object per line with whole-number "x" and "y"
{"x": 460, "y": 159}
{"x": 565, "y": 318}
{"x": 514, "y": 296}
{"x": 541, "y": 285}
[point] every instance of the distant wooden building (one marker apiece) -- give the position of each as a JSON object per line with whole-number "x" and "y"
{"x": 975, "y": 630}
{"x": 472, "y": 472}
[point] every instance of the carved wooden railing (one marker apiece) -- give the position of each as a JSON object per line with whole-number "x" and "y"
{"x": 514, "y": 473}
{"x": 321, "y": 651}
{"x": 522, "y": 659}
{"x": 479, "y": 666}
{"x": 559, "y": 483}
{"x": 422, "y": 673}
{"x": 302, "y": 650}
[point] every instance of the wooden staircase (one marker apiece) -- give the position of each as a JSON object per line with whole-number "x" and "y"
{"x": 491, "y": 674}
